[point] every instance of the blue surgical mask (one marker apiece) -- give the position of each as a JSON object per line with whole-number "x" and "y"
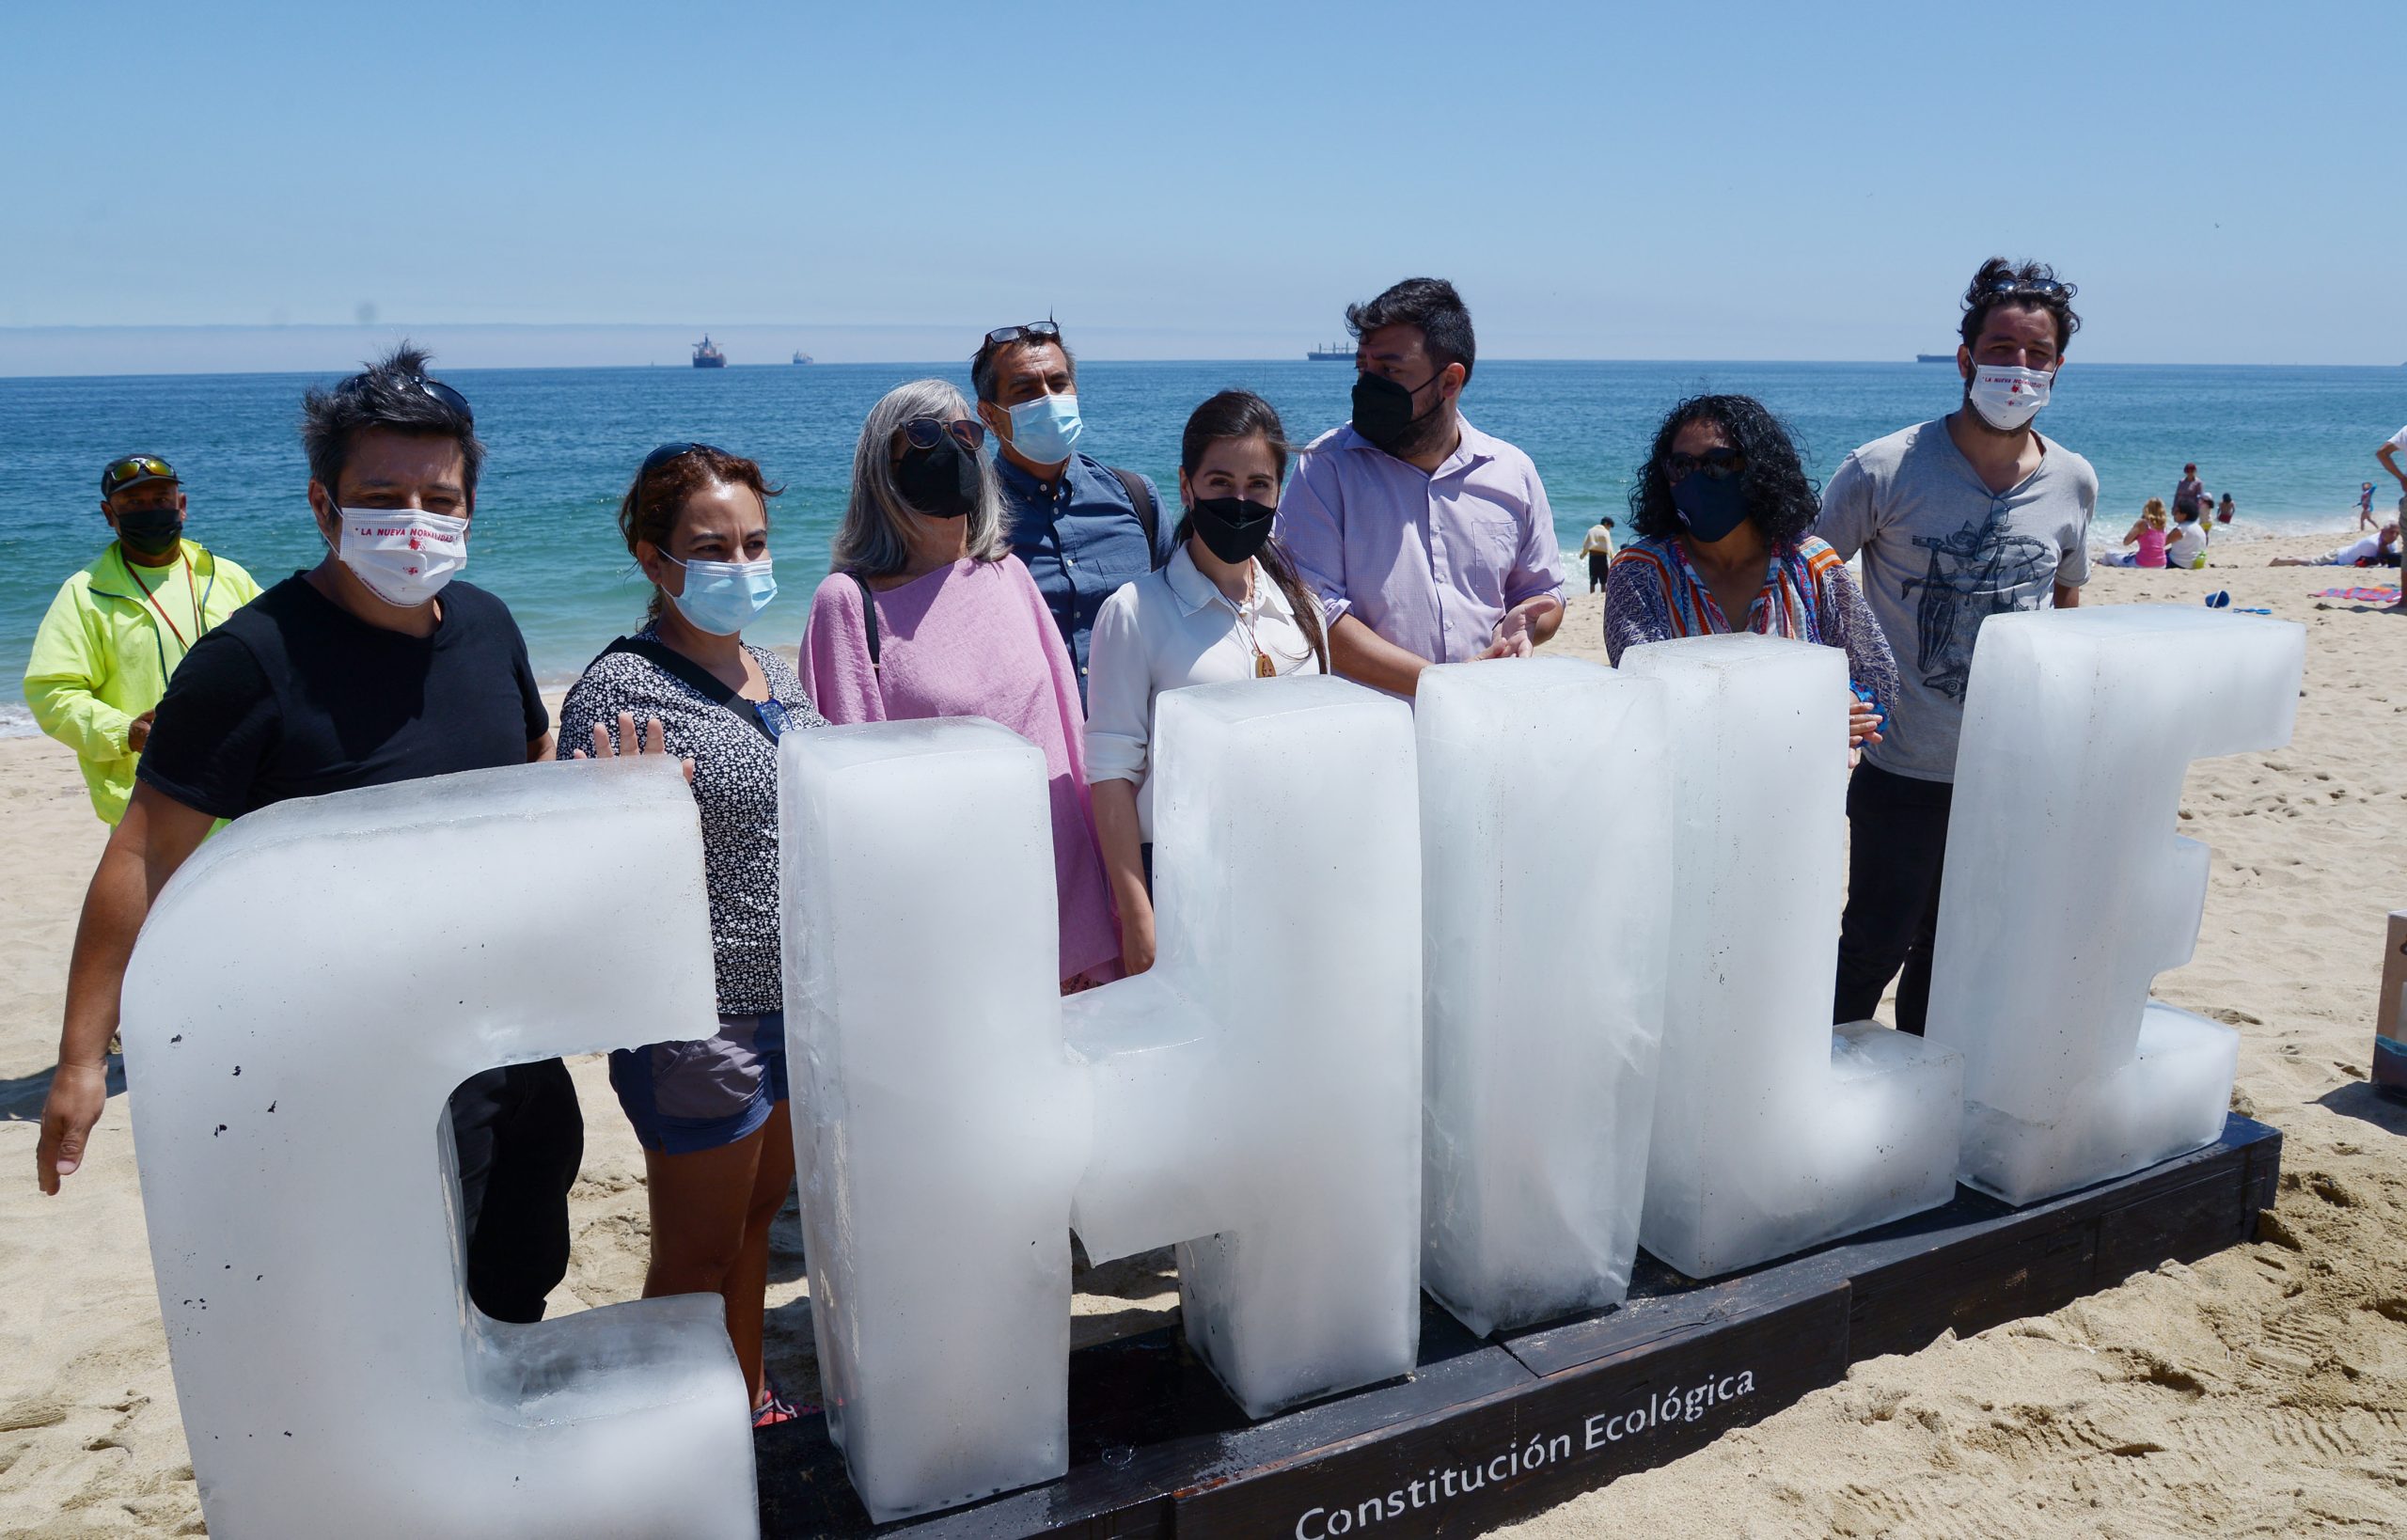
{"x": 1046, "y": 430}
{"x": 724, "y": 597}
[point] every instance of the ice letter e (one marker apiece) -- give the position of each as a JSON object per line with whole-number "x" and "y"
{"x": 1256, "y": 1095}
{"x": 1543, "y": 848}
{"x": 1772, "y": 1132}
{"x": 2067, "y": 891}
{"x": 307, "y": 992}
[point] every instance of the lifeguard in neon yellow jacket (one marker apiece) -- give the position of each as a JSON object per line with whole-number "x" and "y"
{"x": 118, "y": 628}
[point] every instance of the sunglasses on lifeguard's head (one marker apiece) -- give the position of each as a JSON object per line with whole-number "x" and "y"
{"x": 124, "y": 473}
{"x": 924, "y": 433}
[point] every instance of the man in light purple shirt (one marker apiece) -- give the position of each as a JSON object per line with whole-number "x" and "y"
{"x": 1428, "y": 540}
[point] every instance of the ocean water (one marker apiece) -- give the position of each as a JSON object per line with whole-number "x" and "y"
{"x": 2291, "y": 445}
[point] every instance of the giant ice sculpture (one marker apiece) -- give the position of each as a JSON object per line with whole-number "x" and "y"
{"x": 1772, "y": 1132}
{"x": 2066, "y": 891}
{"x": 306, "y": 994}
{"x": 1256, "y": 1096}
{"x": 1543, "y": 926}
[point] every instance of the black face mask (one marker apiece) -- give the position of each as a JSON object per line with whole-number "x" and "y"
{"x": 1711, "y": 509}
{"x": 941, "y": 483}
{"x": 1232, "y": 528}
{"x": 1383, "y": 411}
{"x": 150, "y": 531}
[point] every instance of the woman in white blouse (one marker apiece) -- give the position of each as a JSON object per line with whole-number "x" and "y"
{"x": 1229, "y": 605}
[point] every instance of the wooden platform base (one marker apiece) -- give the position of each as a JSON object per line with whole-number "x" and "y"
{"x": 1485, "y": 1432}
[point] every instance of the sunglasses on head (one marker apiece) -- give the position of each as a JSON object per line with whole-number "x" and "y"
{"x": 1035, "y": 330}
{"x": 924, "y": 433}
{"x": 667, "y": 452}
{"x": 1718, "y": 464}
{"x": 435, "y": 389}
{"x": 133, "y": 468}
{"x": 2047, "y": 288}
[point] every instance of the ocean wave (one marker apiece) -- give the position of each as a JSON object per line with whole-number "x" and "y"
{"x": 16, "y": 721}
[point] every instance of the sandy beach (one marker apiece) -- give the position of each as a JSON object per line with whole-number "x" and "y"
{"x": 2261, "y": 1391}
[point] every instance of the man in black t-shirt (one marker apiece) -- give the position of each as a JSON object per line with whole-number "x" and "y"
{"x": 369, "y": 668}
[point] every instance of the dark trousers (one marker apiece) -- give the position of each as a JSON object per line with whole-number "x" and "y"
{"x": 1598, "y": 565}
{"x": 520, "y": 1137}
{"x": 1897, "y": 839}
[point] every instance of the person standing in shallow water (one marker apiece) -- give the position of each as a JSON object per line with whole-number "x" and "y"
{"x": 113, "y": 635}
{"x": 1972, "y": 515}
{"x": 372, "y": 668}
{"x": 711, "y": 1116}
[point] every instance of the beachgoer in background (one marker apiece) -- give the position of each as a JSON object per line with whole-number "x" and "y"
{"x": 2226, "y": 510}
{"x": 116, "y": 630}
{"x": 2365, "y": 499}
{"x": 927, "y": 613}
{"x": 371, "y": 668}
{"x": 2147, "y": 532}
{"x": 2388, "y": 452}
{"x": 1228, "y": 606}
{"x": 1724, "y": 515}
{"x": 2189, "y": 492}
{"x": 1959, "y": 519}
{"x": 2379, "y": 549}
{"x": 711, "y": 1116}
{"x": 1599, "y": 549}
{"x": 2186, "y": 550}
{"x": 1427, "y": 541}
{"x": 1080, "y": 528}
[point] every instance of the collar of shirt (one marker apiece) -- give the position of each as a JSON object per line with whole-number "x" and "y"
{"x": 1023, "y": 487}
{"x": 1195, "y": 591}
{"x": 1474, "y": 448}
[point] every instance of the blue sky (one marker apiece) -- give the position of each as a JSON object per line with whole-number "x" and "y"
{"x": 597, "y": 182}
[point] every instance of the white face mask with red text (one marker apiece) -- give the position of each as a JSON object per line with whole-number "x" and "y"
{"x": 404, "y": 555}
{"x": 2005, "y": 396}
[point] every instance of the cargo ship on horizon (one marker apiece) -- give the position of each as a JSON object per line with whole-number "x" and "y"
{"x": 707, "y": 356}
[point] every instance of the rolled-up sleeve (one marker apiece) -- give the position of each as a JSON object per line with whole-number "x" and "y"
{"x": 1309, "y": 528}
{"x": 1537, "y": 564}
{"x": 1120, "y": 692}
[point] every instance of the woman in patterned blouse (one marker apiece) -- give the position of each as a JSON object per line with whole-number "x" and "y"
{"x": 711, "y": 1115}
{"x": 1724, "y": 510}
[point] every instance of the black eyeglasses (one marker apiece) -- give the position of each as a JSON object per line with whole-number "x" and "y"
{"x": 1718, "y": 464}
{"x": 1035, "y": 330}
{"x": 667, "y": 452}
{"x": 924, "y": 433}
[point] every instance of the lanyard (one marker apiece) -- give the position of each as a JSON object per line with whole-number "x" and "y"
{"x": 150, "y": 594}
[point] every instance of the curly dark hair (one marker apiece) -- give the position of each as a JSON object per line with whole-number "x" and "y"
{"x": 2023, "y": 286}
{"x": 1781, "y": 499}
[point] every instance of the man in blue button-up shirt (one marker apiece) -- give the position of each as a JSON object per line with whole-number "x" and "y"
{"x": 1073, "y": 520}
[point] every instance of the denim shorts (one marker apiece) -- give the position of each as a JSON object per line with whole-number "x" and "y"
{"x": 687, "y": 1096}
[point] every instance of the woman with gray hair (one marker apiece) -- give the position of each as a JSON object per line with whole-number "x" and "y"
{"x": 927, "y": 613}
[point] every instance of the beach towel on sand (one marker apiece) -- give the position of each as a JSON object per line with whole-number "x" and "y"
{"x": 2362, "y": 596}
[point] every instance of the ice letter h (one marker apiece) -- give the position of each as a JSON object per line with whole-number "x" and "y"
{"x": 1256, "y": 1096}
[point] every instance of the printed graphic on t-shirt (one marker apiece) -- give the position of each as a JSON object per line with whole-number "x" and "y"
{"x": 1979, "y": 571}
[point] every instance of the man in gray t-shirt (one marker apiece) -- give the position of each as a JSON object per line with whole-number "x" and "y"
{"x": 1941, "y": 553}
{"x": 1959, "y": 519}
